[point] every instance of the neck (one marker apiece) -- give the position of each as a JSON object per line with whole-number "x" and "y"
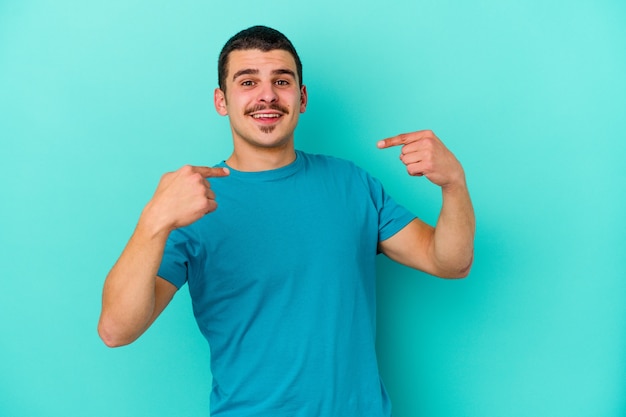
{"x": 261, "y": 159}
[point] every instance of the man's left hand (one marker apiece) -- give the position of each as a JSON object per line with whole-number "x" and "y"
{"x": 424, "y": 154}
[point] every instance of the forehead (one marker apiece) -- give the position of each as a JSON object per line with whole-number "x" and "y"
{"x": 262, "y": 61}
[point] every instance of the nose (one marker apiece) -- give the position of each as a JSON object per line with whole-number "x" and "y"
{"x": 267, "y": 93}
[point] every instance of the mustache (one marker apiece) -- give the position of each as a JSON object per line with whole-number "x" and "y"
{"x": 261, "y": 107}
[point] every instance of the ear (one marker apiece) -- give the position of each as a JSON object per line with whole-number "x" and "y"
{"x": 303, "y": 99}
{"x": 219, "y": 99}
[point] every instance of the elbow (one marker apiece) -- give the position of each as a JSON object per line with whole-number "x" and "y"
{"x": 458, "y": 271}
{"x": 463, "y": 273}
{"x": 465, "y": 270}
{"x": 454, "y": 275}
{"x": 110, "y": 337}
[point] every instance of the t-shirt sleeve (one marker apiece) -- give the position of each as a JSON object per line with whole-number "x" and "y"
{"x": 392, "y": 217}
{"x": 177, "y": 257}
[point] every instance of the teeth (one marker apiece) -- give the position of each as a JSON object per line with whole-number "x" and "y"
{"x": 265, "y": 116}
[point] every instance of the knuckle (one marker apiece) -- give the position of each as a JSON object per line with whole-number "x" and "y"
{"x": 196, "y": 177}
{"x": 202, "y": 205}
{"x": 211, "y": 206}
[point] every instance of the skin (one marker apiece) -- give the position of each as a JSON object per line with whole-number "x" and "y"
{"x": 446, "y": 250}
{"x": 133, "y": 296}
{"x": 263, "y": 100}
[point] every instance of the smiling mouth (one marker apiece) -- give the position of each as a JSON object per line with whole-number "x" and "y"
{"x": 267, "y": 113}
{"x": 266, "y": 116}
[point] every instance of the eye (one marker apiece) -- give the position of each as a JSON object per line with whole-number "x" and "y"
{"x": 247, "y": 83}
{"x": 282, "y": 82}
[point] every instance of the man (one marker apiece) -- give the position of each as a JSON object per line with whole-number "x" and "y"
{"x": 282, "y": 276}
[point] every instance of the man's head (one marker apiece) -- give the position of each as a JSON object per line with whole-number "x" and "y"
{"x": 260, "y": 90}
{"x": 256, "y": 37}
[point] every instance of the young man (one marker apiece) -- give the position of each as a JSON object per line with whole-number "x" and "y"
{"x": 282, "y": 276}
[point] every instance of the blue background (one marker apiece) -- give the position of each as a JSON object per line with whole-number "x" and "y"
{"x": 99, "y": 98}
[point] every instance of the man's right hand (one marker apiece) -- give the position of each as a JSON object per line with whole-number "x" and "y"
{"x": 182, "y": 197}
{"x": 133, "y": 296}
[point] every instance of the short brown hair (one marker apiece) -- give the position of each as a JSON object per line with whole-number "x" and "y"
{"x": 256, "y": 37}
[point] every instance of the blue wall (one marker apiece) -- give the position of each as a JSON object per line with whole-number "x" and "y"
{"x": 99, "y": 98}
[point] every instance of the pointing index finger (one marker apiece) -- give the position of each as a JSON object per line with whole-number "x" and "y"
{"x": 404, "y": 138}
{"x": 397, "y": 140}
{"x": 207, "y": 172}
{"x": 389, "y": 142}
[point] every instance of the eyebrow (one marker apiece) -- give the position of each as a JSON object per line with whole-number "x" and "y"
{"x": 248, "y": 71}
{"x": 284, "y": 71}
{"x": 252, "y": 71}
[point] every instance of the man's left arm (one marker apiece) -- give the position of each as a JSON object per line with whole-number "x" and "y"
{"x": 446, "y": 250}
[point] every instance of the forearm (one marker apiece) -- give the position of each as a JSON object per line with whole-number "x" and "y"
{"x": 128, "y": 298}
{"x": 453, "y": 239}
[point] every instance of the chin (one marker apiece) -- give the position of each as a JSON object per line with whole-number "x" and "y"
{"x": 269, "y": 137}
{"x": 269, "y": 140}
{"x": 279, "y": 144}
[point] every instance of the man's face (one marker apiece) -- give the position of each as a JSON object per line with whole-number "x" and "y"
{"x": 263, "y": 98}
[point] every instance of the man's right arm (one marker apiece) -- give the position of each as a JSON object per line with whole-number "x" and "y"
{"x": 133, "y": 296}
